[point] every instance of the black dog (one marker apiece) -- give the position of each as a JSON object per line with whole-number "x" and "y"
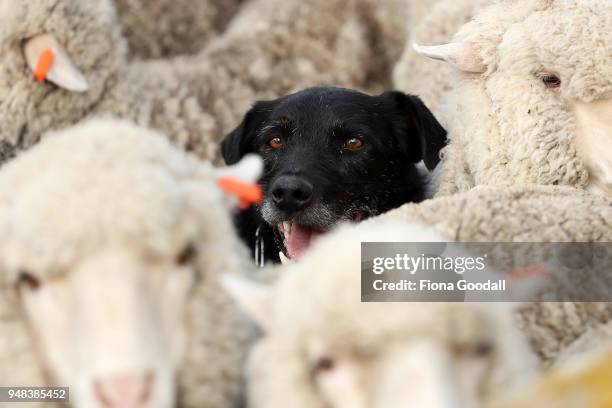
{"x": 331, "y": 155}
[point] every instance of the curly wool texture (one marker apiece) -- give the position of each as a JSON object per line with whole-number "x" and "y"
{"x": 110, "y": 183}
{"x": 432, "y": 80}
{"x": 317, "y": 305}
{"x": 88, "y": 32}
{"x": 505, "y": 127}
{"x": 272, "y": 48}
{"x": 533, "y": 214}
{"x": 164, "y": 28}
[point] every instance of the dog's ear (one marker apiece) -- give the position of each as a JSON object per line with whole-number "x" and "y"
{"x": 420, "y": 135}
{"x": 239, "y": 142}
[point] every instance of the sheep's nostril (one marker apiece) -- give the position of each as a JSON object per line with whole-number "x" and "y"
{"x": 126, "y": 390}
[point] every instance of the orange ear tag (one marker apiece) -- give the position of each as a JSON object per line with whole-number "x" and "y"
{"x": 248, "y": 193}
{"x": 44, "y": 65}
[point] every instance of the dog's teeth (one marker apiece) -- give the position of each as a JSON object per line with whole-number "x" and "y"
{"x": 287, "y": 228}
{"x": 284, "y": 260}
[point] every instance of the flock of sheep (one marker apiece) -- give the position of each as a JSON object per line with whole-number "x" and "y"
{"x": 118, "y": 259}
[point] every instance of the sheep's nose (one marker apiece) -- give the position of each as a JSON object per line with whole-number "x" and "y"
{"x": 291, "y": 193}
{"x": 125, "y": 390}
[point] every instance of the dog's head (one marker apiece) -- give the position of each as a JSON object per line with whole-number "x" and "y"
{"x": 334, "y": 155}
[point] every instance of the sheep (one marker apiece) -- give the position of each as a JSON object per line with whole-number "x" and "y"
{"x": 592, "y": 342}
{"x": 270, "y": 49}
{"x": 521, "y": 214}
{"x": 424, "y": 77}
{"x": 111, "y": 244}
{"x": 323, "y": 347}
{"x": 164, "y": 28}
{"x": 581, "y": 381}
{"x": 531, "y": 97}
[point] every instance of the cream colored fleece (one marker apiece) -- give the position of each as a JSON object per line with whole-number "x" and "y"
{"x": 273, "y": 47}
{"x": 164, "y": 28}
{"x": 436, "y": 24}
{"x": 104, "y": 184}
{"x": 315, "y": 311}
{"x": 505, "y": 127}
{"x": 526, "y": 214}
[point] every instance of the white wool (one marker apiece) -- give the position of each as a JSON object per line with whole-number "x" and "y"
{"x": 505, "y": 127}
{"x": 125, "y": 236}
{"x": 314, "y": 316}
{"x": 194, "y": 100}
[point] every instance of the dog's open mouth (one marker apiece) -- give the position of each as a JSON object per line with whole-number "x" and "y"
{"x": 297, "y": 238}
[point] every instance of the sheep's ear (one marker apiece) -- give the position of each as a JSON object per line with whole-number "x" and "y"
{"x": 48, "y": 60}
{"x": 254, "y": 299}
{"x": 247, "y": 170}
{"x": 464, "y": 56}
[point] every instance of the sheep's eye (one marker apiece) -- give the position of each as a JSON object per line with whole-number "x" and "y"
{"x": 275, "y": 142}
{"x": 480, "y": 350}
{"x": 324, "y": 364}
{"x": 187, "y": 255}
{"x": 551, "y": 81}
{"x": 28, "y": 281}
{"x": 483, "y": 350}
{"x": 353, "y": 143}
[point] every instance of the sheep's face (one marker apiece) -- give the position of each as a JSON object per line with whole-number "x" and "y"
{"x": 378, "y": 356}
{"x": 112, "y": 251}
{"x": 112, "y": 327}
{"x": 539, "y": 74}
{"x": 105, "y": 285}
{"x": 558, "y": 63}
{"x": 325, "y": 348}
{"x": 87, "y": 50}
{"x": 385, "y": 356}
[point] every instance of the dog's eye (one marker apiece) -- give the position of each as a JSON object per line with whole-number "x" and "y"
{"x": 275, "y": 142}
{"x": 353, "y": 143}
{"x": 28, "y": 281}
{"x": 551, "y": 81}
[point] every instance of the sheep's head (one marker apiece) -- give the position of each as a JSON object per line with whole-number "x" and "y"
{"x": 534, "y": 101}
{"x": 324, "y": 348}
{"x": 87, "y": 50}
{"x": 107, "y": 233}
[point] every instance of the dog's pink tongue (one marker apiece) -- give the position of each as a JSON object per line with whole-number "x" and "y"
{"x": 298, "y": 240}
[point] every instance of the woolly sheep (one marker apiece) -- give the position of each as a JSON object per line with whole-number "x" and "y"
{"x": 324, "y": 347}
{"x": 270, "y": 49}
{"x": 592, "y": 342}
{"x": 429, "y": 79}
{"x": 164, "y": 28}
{"x": 520, "y": 214}
{"x": 531, "y": 100}
{"x": 581, "y": 381}
{"x": 111, "y": 244}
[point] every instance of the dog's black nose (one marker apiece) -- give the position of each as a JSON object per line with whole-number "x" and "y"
{"x": 291, "y": 193}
